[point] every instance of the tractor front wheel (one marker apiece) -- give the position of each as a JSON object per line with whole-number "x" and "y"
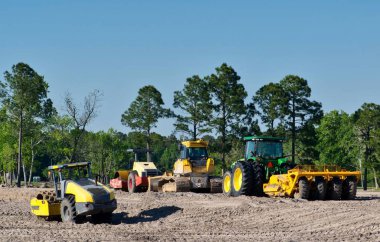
{"x": 227, "y": 183}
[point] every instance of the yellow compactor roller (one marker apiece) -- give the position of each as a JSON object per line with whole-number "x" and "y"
{"x": 192, "y": 171}
{"x": 75, "y": 195}
{"x": 135, "y": 180}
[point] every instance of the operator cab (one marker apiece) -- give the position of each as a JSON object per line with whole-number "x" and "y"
{"x": 195, "y": 152}
{"x": 267, "y": 148}
{"x": 79, "y": 172}
{"x": 76, "y": 173}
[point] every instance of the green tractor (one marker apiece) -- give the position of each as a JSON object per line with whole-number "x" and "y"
{"x": 263, "y": 158}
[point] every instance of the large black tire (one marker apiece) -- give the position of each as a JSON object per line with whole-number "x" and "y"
{"x": 258, "y": 179}
{"x": 321, "y": 188}
{"x": 132, "y": 182}
{"x": 334, "y": 189}
{"x": 227, "y": 183}
{"x": 68, "y": 211}
{"x": 303, "y": 189}
{"x": 242, "y": 179}
{"x": 349, "y": 188}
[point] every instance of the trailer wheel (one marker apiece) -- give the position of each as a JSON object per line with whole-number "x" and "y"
{"x": 320, "y": 193}
{"x": 258, "y": 179}
{"x": 242, "y": 179}
{"x": 349, "y": 188}
{"x": 335, "y": 189}
{"x": 303, "y": 189}
{"x": 68, "y": 211}
{"x": 227, "y": 184}
{"x": 132, "y": 182}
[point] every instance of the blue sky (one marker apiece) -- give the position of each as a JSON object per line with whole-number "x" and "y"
{"x": 120, "y": 46}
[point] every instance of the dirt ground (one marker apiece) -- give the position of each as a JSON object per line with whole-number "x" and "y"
{"x": 201, "y": 217}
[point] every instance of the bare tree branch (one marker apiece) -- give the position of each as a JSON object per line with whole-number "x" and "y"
{"x": 83, "y": 117}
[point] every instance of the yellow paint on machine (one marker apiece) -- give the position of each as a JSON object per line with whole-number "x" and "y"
{"x": 44, "y": 208}
{"x": 209, "y": 168}
{"x": 182, "y": 166}
{"x": 122, "y": 175}
{"x": 81, "y": 194}
{"x": 197, "y": 143}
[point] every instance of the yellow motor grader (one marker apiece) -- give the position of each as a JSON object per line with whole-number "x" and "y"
{"x": 75, "y": 195}
{"x": 192, "y": 171}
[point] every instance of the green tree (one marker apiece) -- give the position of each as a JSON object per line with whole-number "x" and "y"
{"x": 57, "y": 146}
{"x": 144, "y": 113}
{"x": 228, "y": 103}
{"x": 307, "y": 142}
{"x": 336, "y": 140}
{"x": 367, "y": 123}
{"x": 169, "y": 156}
{"x": 106, "y": 151}
{"x": 300, "y": 109}
{"x": 376, "y": 162}
{"x": 8, "y": 147}
{"x": 36, "y": 135}
{"x": 26, "y": 98}
{"x": 195, "y": 101}
{"x": 272, "y": 101}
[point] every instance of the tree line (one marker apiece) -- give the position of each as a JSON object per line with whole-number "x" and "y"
{"x": 215, "y": 107}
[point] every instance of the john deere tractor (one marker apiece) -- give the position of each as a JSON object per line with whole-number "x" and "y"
{"x": 75, "y": 195}
{"x": 265, "y": 170}
{"x": 263, "y": 158}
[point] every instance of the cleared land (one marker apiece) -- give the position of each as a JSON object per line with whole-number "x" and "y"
{"x": 205, "y": 217}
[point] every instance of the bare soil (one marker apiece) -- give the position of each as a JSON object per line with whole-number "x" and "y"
{"x": 200, "y": 217}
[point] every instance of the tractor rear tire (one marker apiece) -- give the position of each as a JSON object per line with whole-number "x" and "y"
{"x": 321, "y": 188}
{"x": 227, "y": 183}
{"x": 68, "y": 210}
{"x": 132, "y": 182}
{"x": 242, "y": 179}
{"x": 303, "y": 188}
{"x": 349, "y": 188}
{"x": 335, "y": 189}
{"x": 258, "y": 179}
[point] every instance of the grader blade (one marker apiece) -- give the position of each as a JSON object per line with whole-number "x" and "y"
{"x": 169, "y": 184}
{"x": 180, "y": 184}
